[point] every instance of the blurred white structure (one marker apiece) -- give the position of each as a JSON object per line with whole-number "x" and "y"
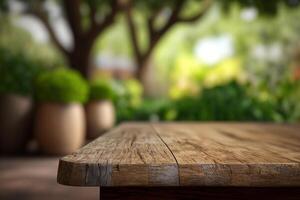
{"x": 212, "y": 50}
{"x": 249, "y": 14}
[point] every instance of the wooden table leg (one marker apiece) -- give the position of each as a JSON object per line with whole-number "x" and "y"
{"x": 202, "y": 193}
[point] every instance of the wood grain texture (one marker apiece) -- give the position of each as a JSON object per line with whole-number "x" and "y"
{"x": 188, "y": 154}
{"x": 131, "y": 154}
{"x": 234, "y": 154}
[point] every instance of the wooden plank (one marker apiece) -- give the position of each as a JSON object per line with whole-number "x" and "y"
{"x": 188, "y": 154}
{"x": 131, "y": 154}
{"x": 222, "y": 154}
{"x": 195, "y": 193}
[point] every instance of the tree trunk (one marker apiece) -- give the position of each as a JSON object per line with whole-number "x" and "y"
{"x": 80, "y": 61}
{"x": 80, "y": 58}
{"x": 142, "y": 66}
{"x": 146, "y": 76}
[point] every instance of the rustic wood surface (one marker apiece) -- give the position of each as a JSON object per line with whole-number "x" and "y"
{"x": 188, "y": 154}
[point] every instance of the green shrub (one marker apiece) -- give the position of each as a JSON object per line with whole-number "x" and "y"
{"x": 129, "y": 101}
{"x": 133, "y": 92}
{"x": 17, "y": 73}
{"x": 62, "y": 86}
{"x": 102, "y": 90}
{"x": 149, "y": 109}
{"x": 21, "y": 59}
{"x": 226, "y": 102}
{"x": 230, "y": 101}
{"x": 22, "y": 45}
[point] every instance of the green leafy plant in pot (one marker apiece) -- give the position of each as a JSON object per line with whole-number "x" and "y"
{"x": 60, "y": 117}
{"x": 17, "y": 73}
{"x": 100, "y": 110}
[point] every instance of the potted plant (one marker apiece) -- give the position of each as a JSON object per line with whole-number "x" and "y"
{"x": 16, "y": 87}
{"x": 60, "y": 119}
{"x": 100, "y": 111}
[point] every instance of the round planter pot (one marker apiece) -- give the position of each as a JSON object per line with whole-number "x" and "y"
{"x": 60, "y": 128}
{"x": 100, "y": 116}
{"x": 15, "y": 121}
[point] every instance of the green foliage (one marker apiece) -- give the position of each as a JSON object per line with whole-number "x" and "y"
{"x": 62, "y": 86}
{"x": 149, "y": 109}
{"x": 287, "y": 98}
{"x": 133, "y": 92}
{"x": 128, "y": 99}
{"x": 154, "y": 5}
{"x": 102, "y": 90}
{"x": 264, "y": 7}
{"x": 226, "y": 102}
{"x": 17, "y": 73}
{"x": 21, "y": 59}
{"x": 19, "y": 41}
{"x": 230, "y": 101}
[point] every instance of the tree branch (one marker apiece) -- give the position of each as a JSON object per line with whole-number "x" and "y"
{"x": 157, "y": 34}
{"x": 154, "y": 34}
{"x": 150, "y": 26}
{"x": 150, "y": 23}
{"x": 97, "y": 27}
{"x": 44, "y": 19}
{"x": 93, "y": 12}
{"x": 72, "y": 11}
{"x": 198, "y": 15}
{"x": 133, "y": 34}
{"x": 173, "y": 19}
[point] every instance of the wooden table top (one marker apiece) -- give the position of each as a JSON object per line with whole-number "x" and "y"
{"x": 188, "y": 154}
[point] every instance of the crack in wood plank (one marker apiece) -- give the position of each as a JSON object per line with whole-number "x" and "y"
{"x": 178, "y": 170}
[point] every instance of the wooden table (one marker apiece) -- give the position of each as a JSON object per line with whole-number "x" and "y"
{"x": 189, "y": 161}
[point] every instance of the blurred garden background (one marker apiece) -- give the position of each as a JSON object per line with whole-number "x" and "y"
{"x": 71, "y": 70}
{"x": 150, "y": 61}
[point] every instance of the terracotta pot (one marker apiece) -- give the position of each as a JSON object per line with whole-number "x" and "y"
{"x": 100, "y": 116}
{"x": 60, "y": 128}
{"x": 15, "y": 121}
